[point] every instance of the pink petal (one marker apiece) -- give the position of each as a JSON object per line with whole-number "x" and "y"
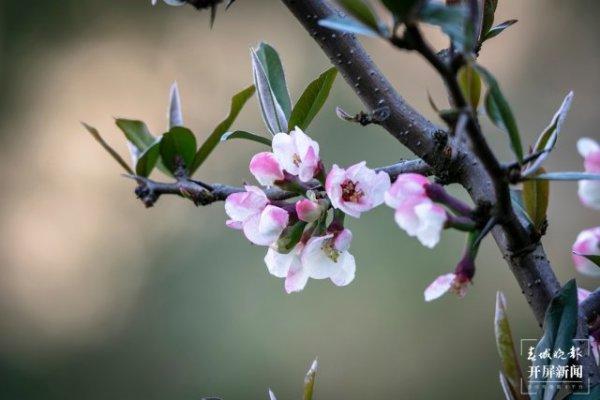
{"x": 439, "y": 287}
{"x": 240, "y": 206}
{"x": 342, "y": 240}
{"x": 308, "y": 165}
{"x": 588, "y": 243}
{"x": 318, "y": 264}
{"x": 266, "y": 169}
{"x": 279, "y": 264}
{"x": 284, "y": 149}
{"x": 272, "y": 221}
{"x": 296, "y": 279}
{"x": 582, "y": 294}
{"x": 234, "y": 224}
{"x": 345, "y": 275}
{"x": 308, "y": 210}
{"x": 432, "y": 219}
{"x": 586, "y": 146}
{"x": 589, "y": 194}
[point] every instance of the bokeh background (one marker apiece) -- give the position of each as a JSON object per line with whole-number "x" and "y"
{"x": 101, "y": 298}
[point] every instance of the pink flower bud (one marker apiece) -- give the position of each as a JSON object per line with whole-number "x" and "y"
{"x": 266, "y": 169}
{"x": 357, "y": 189}
{"x": 587, "y": 243}
{"x": 308, "y": 210}
{"x": 589, "y": 191}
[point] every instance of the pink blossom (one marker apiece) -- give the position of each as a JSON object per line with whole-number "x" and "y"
{"x": 444, "y": 283}
{"x": 308, "y": 210}
{"x": 297, "y": 154}
{"x": 415, "y": 212}
{"x": 323, "y": 257}
{"x": 587, "y": 243}
{"x": 589, "y": 191}
{"x": 357, "y": 189}
{"x": 250, "y": 211}
{"x": 266, "y": 169}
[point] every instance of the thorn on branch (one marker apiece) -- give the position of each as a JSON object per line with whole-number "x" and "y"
{"x": 378, "y": 116}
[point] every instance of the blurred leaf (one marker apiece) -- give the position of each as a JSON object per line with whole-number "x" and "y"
{"x": 401, "y": 9}
{"x": 348, "y": 25}
{"x": 535, "y": 198}
{"x": 272, "y": 112}
{"x": 489, "y": 9}
{"x": 309, "y": 380}
{"x": 560, "y": 326}
{"x": 452, "y": 19}
{"x": 549, "y": 137}
{"x": 272, "y": 395}
{"x": 136, "y": 132}
{"x": 246, "y": 135}
{"x": 499, "y": 111}
{"x": 509, "y": 393}
{"x": 312, "y": 100}
{"x": 361, "y": 11}
{"x": 96, "y": 135}
{"x": 592, "y": 257}
{"x": 565, "y": 176}
{"x": 175, "y": 114}
{"x": 179, "y": 144}
{"x": 237, "y": 103}
{"x": 290, "y": 237}
{"x": 511, "y": 369}
{"x": 470, "y": 83}
{"x": 498, "y": 29}
{"x": 273, "y": 68}
{"x": 516, "y": 197}
{"x": 148, "y": 159}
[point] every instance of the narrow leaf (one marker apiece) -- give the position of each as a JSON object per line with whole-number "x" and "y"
{"x": 511, "y": 369}
{"x": 470, "y": 83}
{"x": 498, "y": 29}
{"x": 452, "y": 19}
{"x": 506, "y": 388}
{"x": 499, "y": 112}
{"x": 309, "y": 380}
{"x": 273, "y": 68}
{"x": 148, "y": 159}
{"x": 140, "y": 138}
{"x": 175, "y": 113}
{"x": 361, "y": 11}
{"x": 178, "y": 146}
{"x": 312, "y": 100}
{"x": 560, "y": 326}
{"x": 549, "y": 136}
{"x": 516, "y": 197}
{"x": 272, "y": 395}
{"x": 246, "y": 135}
{"x": 272, "y": 112}
{"x": 489, "y": 9}
{"x": 237, "y": 103}
{"x": 96, "y": 135}
{"x": 348, "y": 25}
{"x": 290, "y": 237}
{"x": 566, "y": 176}
{"x": 535, "y": 198}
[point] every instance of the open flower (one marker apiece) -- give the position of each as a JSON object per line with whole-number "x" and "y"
{"x": 323, "y": 257}
{"x": 589, "y": 191}
{"x": 356, "y": 189}
{"x": 458, "y": 281}
{"x": 415, "y": 212}
{"x": 297, "y": 154}
{"x": 250, "y": 211}
{"x": 266, "y": 169}
{"x": 587, "y": 243}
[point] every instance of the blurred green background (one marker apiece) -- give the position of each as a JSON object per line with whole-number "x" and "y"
{"x": 101, "y": 298}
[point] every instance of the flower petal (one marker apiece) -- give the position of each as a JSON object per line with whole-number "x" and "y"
{"x": 345, "y": 275}
{"x": 266, "y": 169}
{"x": 316, "y": 259}
{"x": 432, "y": 218}
{"x": 439, "y": 287}
{"x": 279, "y": 264}
{"x": 296, "y": 279}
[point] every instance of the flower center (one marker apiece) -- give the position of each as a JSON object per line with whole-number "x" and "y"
{"x": 296, "y": 159}
{"x": 330, "y": 251}
{"x": 351, "y": 192}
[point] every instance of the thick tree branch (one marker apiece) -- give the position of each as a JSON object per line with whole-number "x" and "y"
{"x": 450, "y": 158}
{"x": 202, "y": 194}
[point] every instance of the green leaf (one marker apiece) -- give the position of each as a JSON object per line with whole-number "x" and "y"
{"x": 148, "y": 159}
{"x": 348, "y": 25}
{"x": 290, "y": 237}
{"x": 273, "y": 68}
{"x": 140, "y": 138}
{"x": 96, "y": 135}
{"x": 361, "y": 11}
{"x": 498, "y": 29}
{"x": 401, "y": 9}
{"x": 560, "y": 326}
{"x": 175, "y": 113}
{"x": 470, "y": 83}
{"x": 237, "y": 103}
{"x": 246, "y": 135}
{"x": 516, "y": 197}
{"x": 489, "y": 9}
{"x": 452, "y": 19}
{"x": 547, "y": 140}
{"x": 499, "y": 111}
{"x": 536, "y": 195}
{"x": 272, "y": 112}
{"x": 178, "y": 145}
{"x": 565, "y": 176}
{"x": 312, "y": 100}
{"x": 511, "y": 369}
{"x": 309, "y": 380}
